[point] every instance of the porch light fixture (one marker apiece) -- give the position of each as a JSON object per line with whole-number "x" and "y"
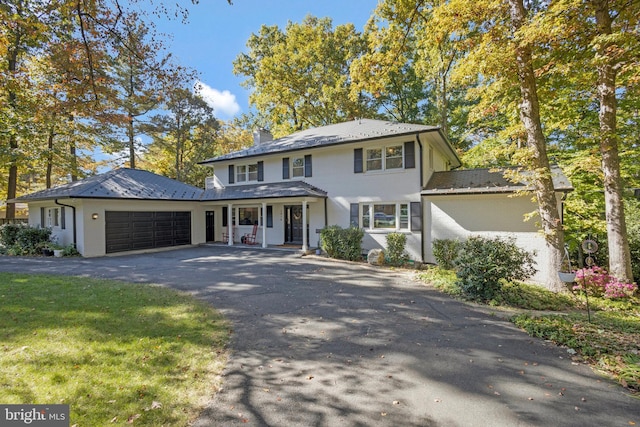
{"x": 94, "y": 216}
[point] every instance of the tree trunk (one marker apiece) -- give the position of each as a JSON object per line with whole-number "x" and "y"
{"x": 132, "y": 145}
{"x": 50, "y": 155}
{"x": 530, "y": 117}
{"x": 619, "y": 254}
{"x": 74, "y": 161}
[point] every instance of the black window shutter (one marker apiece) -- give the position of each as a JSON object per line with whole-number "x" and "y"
{"x": 357, "y": 160}
{"x": 63, "y": 222}
{"x": 43, "y": 222}
{"x": 232, "y": 175}
{"x": 354, "y": 220}
{"x": 269, "y": 216}
{"x": 416, "y": 216}
{"x": 285, "y": 168}
{"x": 225, "y": 216}
{"x": 409, "y": 155}
{"x": 260, "y": 171}
{"x": 307, "y": 166}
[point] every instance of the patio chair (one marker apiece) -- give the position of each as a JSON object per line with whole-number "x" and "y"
{"x": 250, "y": 238}
{"x": 225, "y": 235}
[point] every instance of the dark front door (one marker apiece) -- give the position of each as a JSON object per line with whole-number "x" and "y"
{"x": 293, "y": 224}
{"x": 210, "y": 224}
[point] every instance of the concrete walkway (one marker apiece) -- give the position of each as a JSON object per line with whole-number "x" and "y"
{"x": 323, "y": 343}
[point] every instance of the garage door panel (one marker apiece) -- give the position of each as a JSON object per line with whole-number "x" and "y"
{"x": 131, "y": 230}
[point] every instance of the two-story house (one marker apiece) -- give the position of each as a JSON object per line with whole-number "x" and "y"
{"x": 363, "y": 173}
{"x": 378, "y": 175}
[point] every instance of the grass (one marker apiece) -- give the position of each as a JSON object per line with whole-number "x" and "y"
{"x": 610, "y": 342}
{"x": 114, "y": 352}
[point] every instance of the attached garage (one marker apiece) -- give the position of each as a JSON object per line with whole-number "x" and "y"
{"x": 128, "y": 231}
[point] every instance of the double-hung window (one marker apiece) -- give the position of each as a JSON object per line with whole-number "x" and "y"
{"x": 297, "y": 167}
{"x": 245, "y": 173}
{"x": 384, "y": 158}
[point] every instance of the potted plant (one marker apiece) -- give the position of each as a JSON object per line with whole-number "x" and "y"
{"x": 57, "y": 249}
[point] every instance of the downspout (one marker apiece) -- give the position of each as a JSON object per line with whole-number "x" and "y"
{"x": 422, "y": 229}
{"x": 74, "y": 221}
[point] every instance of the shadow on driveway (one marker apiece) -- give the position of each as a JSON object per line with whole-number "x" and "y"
{"x": 324, "y": 343}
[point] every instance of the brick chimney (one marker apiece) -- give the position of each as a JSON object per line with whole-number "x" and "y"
{"x": 261, "y": 136}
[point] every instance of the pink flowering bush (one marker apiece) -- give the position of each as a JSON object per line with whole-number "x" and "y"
{"x": 600, "y": 284}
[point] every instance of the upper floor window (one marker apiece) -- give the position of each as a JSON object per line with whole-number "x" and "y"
{"x": 246, "y": 173}
{"x": 297, "y": 166}
{"x": 384, "y": 158}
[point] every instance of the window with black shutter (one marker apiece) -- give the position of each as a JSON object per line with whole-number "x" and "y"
{"x": 409, "y": 155}
{"x": 416, "y": 216}
{"x": 307, "y": 166}
{"x": 269, "y": 216}
{"x": 231, "y": 174}
{"x": 354, "y": 217}
{"x": 260, "y": 171}
{"x": 357, "y": 160}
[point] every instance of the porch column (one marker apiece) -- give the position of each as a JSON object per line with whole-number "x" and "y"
{"x": 305, "y": 243}
{"x": 230, "y": 224}
{"x": 264, "y": 224}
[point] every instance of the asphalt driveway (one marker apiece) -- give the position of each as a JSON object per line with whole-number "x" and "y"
{"x": 323, "y": 343}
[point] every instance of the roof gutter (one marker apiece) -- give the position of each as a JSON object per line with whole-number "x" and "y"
{"x": 75, "y": 239}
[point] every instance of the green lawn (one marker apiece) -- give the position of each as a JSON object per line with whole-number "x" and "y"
{"x": 114, "y": 352}
{"x": 610, "y": 341}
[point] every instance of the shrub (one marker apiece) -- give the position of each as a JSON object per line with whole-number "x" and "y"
{"x": 342, "y": 243}
{"x": 482, "y": 263}
{"x": 599, "y": 283}
{"x": 396, "y": 243}
{"x": 9, "y": 233}
{"x": 445, "y": 252}
{"x": 24, "y": 240}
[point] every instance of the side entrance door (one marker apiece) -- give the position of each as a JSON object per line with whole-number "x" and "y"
{"x": 209, "y": 215}
{"x": 293, "y": 228}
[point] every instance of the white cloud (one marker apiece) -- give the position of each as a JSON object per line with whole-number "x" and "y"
{"x": 223, "y": 103}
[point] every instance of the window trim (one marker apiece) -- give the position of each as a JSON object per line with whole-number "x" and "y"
{"x": 245, "y": 177}
{"x": 383, "y": 159}
{"x": 364, "y": 207}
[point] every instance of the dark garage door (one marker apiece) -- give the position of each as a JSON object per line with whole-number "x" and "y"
{"x": 128, "y": 231}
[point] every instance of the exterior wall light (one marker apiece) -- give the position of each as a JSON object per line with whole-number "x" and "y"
{"x": 94, "y": 216}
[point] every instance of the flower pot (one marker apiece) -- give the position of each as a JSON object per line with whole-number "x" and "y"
{"x": 567, "y": 276}
{"x": 47, "y": 252}
{"x": 58, "y": 252}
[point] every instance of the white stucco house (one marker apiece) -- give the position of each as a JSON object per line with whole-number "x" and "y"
{"x": 378, "y": 175}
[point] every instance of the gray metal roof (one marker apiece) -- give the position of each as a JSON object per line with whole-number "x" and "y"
{"x": 263, "y": 191}
{"x": 482, "y": 181}
{"x": 340, "y": 133}
{"x": 121, "y": 184}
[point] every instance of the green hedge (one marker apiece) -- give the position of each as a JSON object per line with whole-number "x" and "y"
{"x": 342, "y": 243}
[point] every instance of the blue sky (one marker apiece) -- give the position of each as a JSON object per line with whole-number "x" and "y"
{"x": 217, "y": 33}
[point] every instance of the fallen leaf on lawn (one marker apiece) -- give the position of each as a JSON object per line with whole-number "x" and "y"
{"x": 496, "y": 393}
{"x": 132, "y": 418}
{"x": 156, "y": 405}
{"x": 631, "y": 423}
{"x": 266, "y": 390}
{"x": 310, "y": 377}
{"x": 396, "y": 402}
{"x": 384, "y": 414}
{"x": 529, "y": 398}
{"x": 114, "y": 419}
{"x": 111, "y": 401}
{"x": 437, "y": 400}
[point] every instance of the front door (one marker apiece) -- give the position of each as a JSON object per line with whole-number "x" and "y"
{"x": 293, "y": 228}
{"x": 209, "y": 224}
